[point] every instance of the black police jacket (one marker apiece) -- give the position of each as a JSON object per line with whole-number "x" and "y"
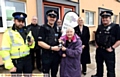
{"x": 104, "y": 36}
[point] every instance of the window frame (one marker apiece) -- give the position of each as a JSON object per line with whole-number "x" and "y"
{"x": 115, "y": 17}
{"x": 89, "y": 25}
{"x": 3, "y": 11}
{"x": 61, "y": 6}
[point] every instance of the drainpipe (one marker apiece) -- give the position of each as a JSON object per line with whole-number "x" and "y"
{"x": 79, "y": 7}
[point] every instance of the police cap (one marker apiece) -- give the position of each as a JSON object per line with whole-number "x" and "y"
{"x": 52, "y": 13}
{"x": 19, "y": 16}
{"x": 106, "y": 13}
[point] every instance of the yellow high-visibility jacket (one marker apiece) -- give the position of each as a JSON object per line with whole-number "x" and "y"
{"x": 14, "y": 47}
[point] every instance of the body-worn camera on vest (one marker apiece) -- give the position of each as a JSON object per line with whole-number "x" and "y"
{"x": 104, "y": 37}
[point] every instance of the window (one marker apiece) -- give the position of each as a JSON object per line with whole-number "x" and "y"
{"x": 1, "y": 23}
{"x": 2, "y": 16}
{"x": 89, "y": 18}
{"x": 12, "y": 7}
{"x": 67, "y": 9}
{"x": 7, "y": 7}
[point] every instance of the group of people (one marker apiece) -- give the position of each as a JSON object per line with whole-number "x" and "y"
{"x": 21, "y": 45}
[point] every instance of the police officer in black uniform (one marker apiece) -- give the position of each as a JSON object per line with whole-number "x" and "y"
{"x": 48, "y": 42}
{"x": 107, "y": 38}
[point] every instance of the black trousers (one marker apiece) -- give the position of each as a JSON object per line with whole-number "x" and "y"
{"x": 36, "y": 59}
{"x": 109, "y": 58}
{"x": 84, "y": 67}
{"x": 50, "y": 61}
{"x": 23, "y": 65}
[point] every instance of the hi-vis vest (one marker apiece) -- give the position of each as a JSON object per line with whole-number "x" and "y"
{"x": 13, "y": 47}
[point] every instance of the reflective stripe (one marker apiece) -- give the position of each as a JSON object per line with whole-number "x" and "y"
{"x": 17, "y": 44}
{"x": 6, "y": 58}
{"x": 20, "y": 53}
{"x": 12, "y": 39}
{"x": 5, "y": 48}
{"x": 11, "y": 36}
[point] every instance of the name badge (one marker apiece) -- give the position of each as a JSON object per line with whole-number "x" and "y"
{"x": 56, "y": 35}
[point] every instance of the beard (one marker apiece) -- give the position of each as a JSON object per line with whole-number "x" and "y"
{"x": 19, "y": 26}
{"x": 51, "y": 24}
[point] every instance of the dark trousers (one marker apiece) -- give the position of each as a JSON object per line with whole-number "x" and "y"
{"x": 84, "y": 68}
{"x": 36, "y": 52}
{"x": 23, "y": 65}
{"x": 109, "y": 58}
{"x": 50, "y": 61}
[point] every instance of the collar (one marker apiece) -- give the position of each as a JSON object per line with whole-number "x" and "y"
{"x": 74, "y": 38}
{"x": 49, "y": 26}
{"x": 34, "y": 24}
{"x": 13, "y": 28}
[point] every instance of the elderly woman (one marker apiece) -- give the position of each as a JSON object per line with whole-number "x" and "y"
{"x": 83, "y": 32}
{"x": 70, "y": 53}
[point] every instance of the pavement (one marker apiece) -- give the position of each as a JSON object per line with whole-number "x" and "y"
{"x": 91, "y": 68}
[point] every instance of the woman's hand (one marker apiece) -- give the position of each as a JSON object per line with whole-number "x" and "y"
{"x": 63, "y": 55}
{"x": 64, "y": 48}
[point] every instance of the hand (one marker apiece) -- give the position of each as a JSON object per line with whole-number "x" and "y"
{"x": 96, "y": 45}
{"x": 83, "y": 46}
{"x": 109, "y": 49}
{"x": 13, "y": 69}
{"x": 63, "y": 55}
{"x": 61, "y": 41}
{"x": 30, "y": 43}
{"x": 55, "y": 48}
{"x": 64, "y": 48}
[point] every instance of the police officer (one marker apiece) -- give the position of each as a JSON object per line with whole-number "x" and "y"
{"x": 48, "y": 41}
{"x": 107, "y": 38}
{"x": 16, "y": 44}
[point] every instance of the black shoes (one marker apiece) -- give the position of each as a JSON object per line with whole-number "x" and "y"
{"x": 84, "y": 73}
{"x": 94, "y": 76}
{"x": 39, "y": 69}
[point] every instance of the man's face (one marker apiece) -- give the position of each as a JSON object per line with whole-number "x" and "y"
{"x": 19, "y": 23}
{"x": 51, "y": 20}
{"x": 59, "y": 23}
{"x": 106, "y": 20}
{"x": 34, "y": 20}
{"x": 80, "y": 22}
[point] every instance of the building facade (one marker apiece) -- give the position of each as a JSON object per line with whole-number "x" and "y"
{"x": 87, "y": 9}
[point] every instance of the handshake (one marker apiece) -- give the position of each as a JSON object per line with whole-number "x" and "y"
{"x": 59, "y": 47}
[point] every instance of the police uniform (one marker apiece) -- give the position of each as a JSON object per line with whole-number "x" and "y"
{"x": 15, "y": 48}
{"x": 50, "y": 59}
{"x": 105, "y": 37}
